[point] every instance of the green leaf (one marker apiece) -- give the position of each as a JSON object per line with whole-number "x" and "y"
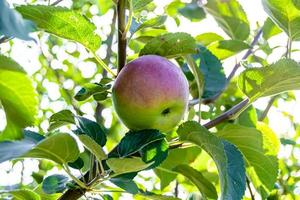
{"x": 286, "y": 15}
{"x": 270, "y": 29}
{"x": 90, "y": 89}
{"x": 205, "y": 187}
{"x": 259, "y": 148}
{"x": 151, "y": 196}
{"x": 126, "y": 165}
{"x": 126, "y": 183}
{"x": 154, "y": 22}
{"x": 279, "y": 77}
{"x": 14, "y": 149}
{"x": 77, "y": 164}
{"x": 92, "y": 129}
{"x": 193, "y": 12}
{"x": 248, "y": 117}
{"x": 12, "y": 24}
{"x": 170, "y": 45}
{"x": 228, "y": 159}
{"x": 93, "y": 147}
{"x": 22, "y": 194}
{"x": 140, "y": 4}
{"x": 175, "y": 157}
{"x": 230, "y": 16}
{"x": 18, "y": 97}
{"x": 212, "y": 69}
{"x": 45, "y": 196}
{"x": 61, "y": 118}
{"x": 51, "y": 148}
{"x": 227, "y": 48}
{"x": 64, "y": 23}
{"x": 54, "y": 184}
{"x": 208, "y": 38}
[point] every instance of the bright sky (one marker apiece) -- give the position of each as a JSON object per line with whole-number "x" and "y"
{"x": 28, "y": 58}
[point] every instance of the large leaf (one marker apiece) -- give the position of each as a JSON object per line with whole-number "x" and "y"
{"x": 22, "y": 194}
{"x": 259, "y": 149}
{"x": 14, "y": 149}
{"x": 230, "y": 16}
{"x": 64, "y": 23}
{"x": 170, "y": 45}
{"x": 212, "y": 69}
{"x": 61, "y": 118}
{"x": 175, "y": 157}
{"x": 204, "y": 186}
{"x": 282, "y": 76}
{"x": 227, "y": 48}
{"x": 12, "y": 24}
{"x": 228, "y": 159}
{"x": 92, "y": 129}
{"x": 286, "y": 15}
{"x": 126, "y": 165}
{"x": 60, "y": 148}
{"x": 54, "y": 184}
{"x": 18, "y": 98}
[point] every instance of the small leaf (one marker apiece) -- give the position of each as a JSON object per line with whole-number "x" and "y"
{"x": 90, "y": 89}
{"x": 154, "y": 22}
{"x": 93, "y": 147}
{"x": 13, "y": 149}
{"x": 126, "y": 183}
{"x": 17, "y": 95}
{"x": 228, "y": 159}
{"x": 259, "y": 149}
{"x": 54, "y": 184}
{"x": 193, "y": 12}
{"x": 51, "y": 148}
{"x": 279, "y": 77}
{"x": 100, "y": 96}
{"x": 61, "y": 118}
{"x": 286, "y": 15}
{"x": 171, "y": 45}
{"x": 227, "y": 48}
{"x": 77, "y": 164}
{"x": 205, "y": 187}
{"x": 208, "y": 38}
{"x": 230, "y": 16}
{"x": 140, "y": 4}
{"x": 12, "y": 24}
{"x": 126, "y": 165}
{"x": 64, "y": 23}
{"x": 92, "y": 129}
{"x": 270, "y": 29}
{"x": 22, "y": 194}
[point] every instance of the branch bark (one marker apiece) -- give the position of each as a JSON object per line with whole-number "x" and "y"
{"x": 122, "y": 40}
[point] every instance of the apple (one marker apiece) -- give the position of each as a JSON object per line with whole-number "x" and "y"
{"x": 150, "y": 93}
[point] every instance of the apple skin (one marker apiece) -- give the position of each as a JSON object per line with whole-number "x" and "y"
{"x": 150, "y": 93}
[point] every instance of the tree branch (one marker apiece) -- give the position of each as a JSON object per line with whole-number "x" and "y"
{"x": 231, "y": 75}
{"x": 122, "y": 40}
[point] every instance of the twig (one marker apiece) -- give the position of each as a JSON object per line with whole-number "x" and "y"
{"x": 4, "y": 39}
{"x": 122, "y": 41}
{"x": 231, "y": 75}
{"x": 267, "y": 109}
{"x": 56, "y": 2}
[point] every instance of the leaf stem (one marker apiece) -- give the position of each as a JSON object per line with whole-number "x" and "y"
{"x": 267, "y": 109}
{"x": 75, "y": 179}
{"x": 100, "y": 61}
{"x": 128, "y": 25}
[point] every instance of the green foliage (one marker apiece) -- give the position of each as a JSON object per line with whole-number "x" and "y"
{"x": 91, "y": 89}
{"x": 154, "y": 22}
{"x": 207, "y": 38}
{"x": 24, "y": 194}
{"x": 170, "y": 45}
{"x": 93, "y": 147}
{"x": 227, "y": 157}
{"x": 277, "y": 78}
{"x": 286, "y": 15}
{"x": 60, "y": 21}
{"x": 126, "y": 165}
{"x": 259, "y": 149}
{"x": 204, "y": 186}
{"x": 61, "y": 118}
{"x": 54, "y": 184}
{"x": 231, "y": 17}
{"x": 12, "y": 24}
{"x": 18, "y": 98}
{"x": 270, "y": 29}
{"x": 51, "y": 148}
